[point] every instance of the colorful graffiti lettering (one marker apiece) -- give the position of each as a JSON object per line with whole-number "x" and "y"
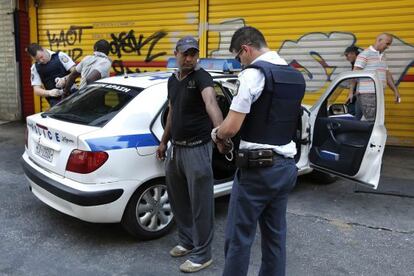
{"x": 319, "y": 56}
{"x": 225, "y": 30}
{"x": 400, "y": 57}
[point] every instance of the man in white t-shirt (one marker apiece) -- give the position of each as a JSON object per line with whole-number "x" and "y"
{"x": 373, "y": 59}
{"x": 93, "y": 67}
{"x": 48, "y": 72}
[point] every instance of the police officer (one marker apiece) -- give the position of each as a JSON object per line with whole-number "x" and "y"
{"x": 93, "y": 67}
{"x": 49, "y": 72}
{"x": 266, "y": 110}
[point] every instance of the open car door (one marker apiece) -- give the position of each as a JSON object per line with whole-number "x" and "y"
{"x": 348, "y": 139}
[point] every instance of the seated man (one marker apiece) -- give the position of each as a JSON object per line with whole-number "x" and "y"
{"x": 49, "y": 72}
{"x": 93, "y": 67}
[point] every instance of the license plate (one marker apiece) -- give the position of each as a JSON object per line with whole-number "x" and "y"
{"x": 44, "y": 152}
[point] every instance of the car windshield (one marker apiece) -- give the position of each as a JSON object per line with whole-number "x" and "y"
{"x": 95, "y": 105}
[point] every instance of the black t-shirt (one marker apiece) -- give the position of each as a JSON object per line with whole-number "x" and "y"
{"x": 190, "y": 120}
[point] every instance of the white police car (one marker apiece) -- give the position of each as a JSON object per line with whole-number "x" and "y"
{"x": 93, "y": 155}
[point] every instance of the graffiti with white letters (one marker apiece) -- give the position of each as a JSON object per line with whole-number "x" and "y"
{"x": 319, "y": 56}
{"x": 225, "y": 30}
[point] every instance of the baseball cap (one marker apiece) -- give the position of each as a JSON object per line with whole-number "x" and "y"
{"x": 186, "y": 43}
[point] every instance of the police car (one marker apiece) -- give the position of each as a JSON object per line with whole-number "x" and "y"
{"x": 92, "y": 156}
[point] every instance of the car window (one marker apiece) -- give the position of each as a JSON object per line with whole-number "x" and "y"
{"x": 361, "y": 107}
{"x": 232, "y": 86}
{"x": 223, "y": 100}
{"x": 95, "y": 105}
{"x": 218, "y": 89}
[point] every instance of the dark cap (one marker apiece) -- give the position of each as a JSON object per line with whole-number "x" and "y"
{"x": 352, "y": 49}
{"x": 186, "y": 43}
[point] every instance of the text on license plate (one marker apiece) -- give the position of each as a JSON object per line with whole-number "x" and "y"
{"x": 44, "y": 152}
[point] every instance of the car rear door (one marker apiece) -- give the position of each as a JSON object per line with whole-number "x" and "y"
{"x": 342, "y": 144}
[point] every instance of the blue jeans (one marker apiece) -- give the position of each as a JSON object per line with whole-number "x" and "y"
{"x": 259, "y": 195}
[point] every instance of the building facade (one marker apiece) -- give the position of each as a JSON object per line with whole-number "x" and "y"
{"x": 312, "y": 37}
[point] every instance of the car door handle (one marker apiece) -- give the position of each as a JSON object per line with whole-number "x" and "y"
{"x": 331, "y": 133}
{"x": 333, "y": 125}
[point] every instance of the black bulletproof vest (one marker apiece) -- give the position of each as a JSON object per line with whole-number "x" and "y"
{"x": 50, "y": 71}
{"x": 274, "y": 115}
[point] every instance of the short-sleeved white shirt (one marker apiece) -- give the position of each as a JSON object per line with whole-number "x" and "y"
{"x": 98, "y": 61}
{"x": 371, "y": 60}
{"x": 66, "y": 61}
{"x": 251, "y": 84}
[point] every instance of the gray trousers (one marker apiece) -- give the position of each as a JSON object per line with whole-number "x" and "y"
{"x": 368, "y": 105}
{"x": 190, "y": 183}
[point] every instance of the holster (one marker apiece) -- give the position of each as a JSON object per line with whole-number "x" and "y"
{"x": 260, "y": 158}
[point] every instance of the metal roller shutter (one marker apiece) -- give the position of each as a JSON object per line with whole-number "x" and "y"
{"x": 9, "y": 95}
{"x": 314, "y": 36}
{"x": 142, "y": 33}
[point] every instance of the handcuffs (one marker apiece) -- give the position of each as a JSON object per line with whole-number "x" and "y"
{"x": 258, "y": 158}
{"x": 229, "y": 155}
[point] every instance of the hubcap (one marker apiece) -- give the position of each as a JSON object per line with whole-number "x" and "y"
{"x": 153, "y": 210}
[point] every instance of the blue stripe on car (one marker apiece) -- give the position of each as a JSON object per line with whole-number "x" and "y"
{"x": 122, "y": 142}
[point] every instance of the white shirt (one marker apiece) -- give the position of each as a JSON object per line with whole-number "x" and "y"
{"x": 251, "y": 84}
{"x": 371, "y": 60}
{"x": 98, "y": 61}
{"x": 66, "y": 61}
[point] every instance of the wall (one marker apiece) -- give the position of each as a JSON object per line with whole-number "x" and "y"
{"x": 9, "y": 87}
{"x": 314, "y": 37}
{"x": 311, "y": 37}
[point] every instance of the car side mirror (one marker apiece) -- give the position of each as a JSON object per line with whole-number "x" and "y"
{"x": 338, "y": 109}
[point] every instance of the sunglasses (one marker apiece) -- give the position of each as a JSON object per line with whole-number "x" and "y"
{"x": 237, "y": 57}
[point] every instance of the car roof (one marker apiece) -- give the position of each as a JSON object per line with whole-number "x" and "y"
{"x": 142, "y": 80}
{"x": 147, "y": 79}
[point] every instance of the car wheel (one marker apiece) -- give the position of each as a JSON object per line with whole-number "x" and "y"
{"x": 322, "y": 178}
{"x": 148, "y": 214}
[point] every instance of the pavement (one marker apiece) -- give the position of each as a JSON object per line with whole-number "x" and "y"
{"x": 337, "y": 229}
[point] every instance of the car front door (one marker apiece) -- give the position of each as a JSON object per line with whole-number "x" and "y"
{"x": 349, "y": 142}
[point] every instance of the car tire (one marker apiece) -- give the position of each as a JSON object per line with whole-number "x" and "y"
{"x": 322, "y": 178}
{"x": 148, "y": 213}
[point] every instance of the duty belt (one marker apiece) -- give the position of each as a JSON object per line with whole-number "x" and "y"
{"x": 257, "y": 158}
{"x": 187, "y": 143}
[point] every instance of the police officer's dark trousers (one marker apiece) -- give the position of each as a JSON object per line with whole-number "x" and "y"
{"x": 259, "y": 195}
{"x": 190, "y": 191}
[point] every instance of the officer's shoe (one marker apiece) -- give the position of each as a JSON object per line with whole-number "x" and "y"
{"x": 179, "y": 251}
{"x": 188, "y": 266}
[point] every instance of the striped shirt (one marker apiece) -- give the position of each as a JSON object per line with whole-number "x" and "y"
{"x": 371, "y": 60}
